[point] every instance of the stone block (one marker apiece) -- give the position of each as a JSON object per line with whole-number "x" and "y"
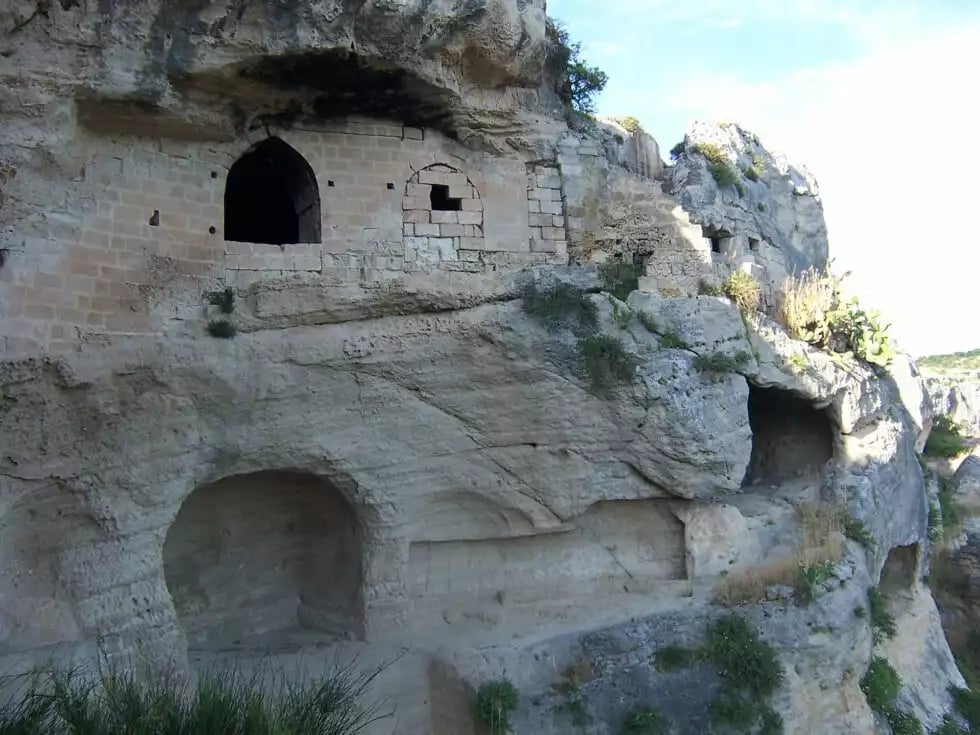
{"x": 427, "y": 229}
{"x": 472, "y": 243}
{"x": 457, "y": 180}
{"x": 416, "y": 203}
{"x": 543, "y": 246}
{"x": 551, "y": 207}
{"x": 540, "y": 220}
{"x": 469, "y": 218}
{"x": 548, "y": 180}
{"x": 408, "y": 229}
{"x": 447, "y": 218}
{"x": 461, "y": 192}
{"x": 419, "y": 191}
{"x": 431, "y": 176}
{"x": 471, "y": 205}
{"x": 412, "y": 133}
{"x": 416, "y": 215}
{"x": 533, "y": 205}
{"x": 553, "y": 233}
{"x": 451, "y": 230}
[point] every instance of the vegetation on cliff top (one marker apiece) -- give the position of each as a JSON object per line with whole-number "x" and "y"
{"x": 951, "y": 362}
{"x": 577, "y": 81}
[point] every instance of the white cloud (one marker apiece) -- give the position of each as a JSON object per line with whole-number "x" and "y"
{"x": 890, "y": 138}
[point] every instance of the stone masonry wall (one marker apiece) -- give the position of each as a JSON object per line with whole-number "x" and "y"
{"x": 129, "y": 243}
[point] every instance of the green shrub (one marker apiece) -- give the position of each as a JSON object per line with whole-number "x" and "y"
{"x": 935, "y": 522}
{"x": 719, "y": 166}
{"x": 880, "y": 684}
{"x": 772, "y": 722}
{"x": 860, "y": 612}
{"x": 761, "y": 206}
{"x": 945, "y": 439}
{"x": 719, "y": 362}
{"x": 561, "y": 305}
{"x": 882, "y": 622}
{"x": 952, "y": 518}
{"x": 855, "y": 530}
{"x": 677, "y": 150}
{"x": 949, "y": 727}
{"x": 605, "y": 362}
{"x": 813, "y": 310}
{"x": 752, "y": 173}
{"x": 629, "y": 123}
{"x": 706, "y": 288}
{"x": 224, "y": 299}
{"x": 673, "y": 658}
{"x": 734, "y": 709}
{"x": 744, "y": 290}
{"x": 619, "y": 278}
{"x": 648, "y": 322}
{"x": 739, "y": 188}
{"x": 622, "y": 315}
{"x": 743, "y": 661}
{"x": 967, "y": 703}
{"x": 54, "y": 703}
{"x": 222, "y": 329}
{"x": 577, "y": 82}
{"x": 671, "y": 340}
{"x": 809, "y": 585}
{"x": 493, "y": 705}
{"x": 903, "y": 723}
{"x": 645, "y": 722}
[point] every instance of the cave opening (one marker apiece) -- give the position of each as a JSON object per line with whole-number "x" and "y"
{"x": 898, "y": 572}
{"x": 269, "y": 559}
{"x": 790, "y": 437}
{"x": 271, "y": 196}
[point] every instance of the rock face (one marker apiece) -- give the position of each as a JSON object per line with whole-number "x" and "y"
{"x": 342, "y": 431}
{"x": 958, "y": 399}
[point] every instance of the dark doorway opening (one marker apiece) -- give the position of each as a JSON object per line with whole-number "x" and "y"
{"x": 441, "y": 201}
{"x": 271, "y": 197}
{"x": 790, "y": 438}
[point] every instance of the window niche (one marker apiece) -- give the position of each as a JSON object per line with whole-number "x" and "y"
{"x": 271, "y": 196}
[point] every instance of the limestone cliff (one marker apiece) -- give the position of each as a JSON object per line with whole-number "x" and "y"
{"x": 274, "y": 386}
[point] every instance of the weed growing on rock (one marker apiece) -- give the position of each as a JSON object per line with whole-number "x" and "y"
{"x": 772, "y": 722}
{"x": 752, "y": 173}
{"x": 810, "y": 583}
{"x": 677, "y": 150}
{"x": 629, "y": 123}
{"x": 719, "y": 166}
{"x": 949, "y": 727}
{"x": 577, "y": 82}
{"x": 719, "y": 362}
{"x": 645, "y": 722}
{"x": 224, "y": 300}
{"x": 945, "y": 439}
{"x": 967, "y": 703}
{"x": 903, "y": 723}
{"x": 882, "y": 622}
{"x": 855, "y": 530}
{"x": 561, "y": 305}
{"x": 673, "y": 658}
{"x": 743, "y": 290}
{"x": 952, "y": 518}
{"x": 880, "y": 685}
{"x": 619, "y": 278}
{"x": 761, "y": 207}
{"x": 569, "y": 688}
{"x": 671, "y": 340}
{"x": 935, "y": 522}
{"x": 605, "y": 362}
{"x": 706, "y": 288}
{"x": 860, "y": 612}
{"x": 622, "y": 315}
{"x": 222, "y": 329}
{"x": 648, "y": 322}
{"x": 493, "y": 705}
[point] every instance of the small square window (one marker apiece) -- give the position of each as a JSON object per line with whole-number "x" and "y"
{"x": 441, "y": 201}
{"x": 753, "y": 244}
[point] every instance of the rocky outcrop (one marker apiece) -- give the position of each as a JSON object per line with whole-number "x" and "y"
{"x": 957, "y": 398}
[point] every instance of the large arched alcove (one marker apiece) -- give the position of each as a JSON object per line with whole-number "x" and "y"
{"x": 271, "y": 559}
{"x": 271, "y": 196}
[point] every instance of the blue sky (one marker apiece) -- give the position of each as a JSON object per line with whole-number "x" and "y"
{"x": 881, "y": 100}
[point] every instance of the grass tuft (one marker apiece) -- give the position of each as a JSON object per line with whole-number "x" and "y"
{"x": 648, "y": 322}
{"x": 671, "y": 340}
{"x": 605, "y": 362}
{"x": 224, "y": 299}
{"x": 719, "y": 362}
{"x": 493, "y": 705}
{"x": 945, "y": 439}
{"x": 882, "y": 621}
{"x": 645, "y": 722}
{"x": 743, "y": 290}
{"x": 619, "y": 278}
{"x": 880, "y": 685}
{"x": 560, "y": 306}
{"x": 673, "y": 658}
{"x": 855, "y": 530}
{"x": 221, "y": 329}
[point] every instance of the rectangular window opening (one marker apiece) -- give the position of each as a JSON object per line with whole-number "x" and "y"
{"x": 441, "y": 201}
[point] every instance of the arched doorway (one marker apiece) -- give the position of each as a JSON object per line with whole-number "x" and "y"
{"x": 271, "y": 197}
{"x": 268, "y": 559}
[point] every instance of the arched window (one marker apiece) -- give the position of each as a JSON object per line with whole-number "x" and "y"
{"x": 271, "y": 196}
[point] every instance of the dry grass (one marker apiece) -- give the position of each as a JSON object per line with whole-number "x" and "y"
{"x": 744, "y": 290}
{"x": 805, "y": 299}
{"x": 821, "y": 540}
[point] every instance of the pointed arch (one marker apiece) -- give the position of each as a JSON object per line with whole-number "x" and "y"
{"x": 271, "y": 196}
